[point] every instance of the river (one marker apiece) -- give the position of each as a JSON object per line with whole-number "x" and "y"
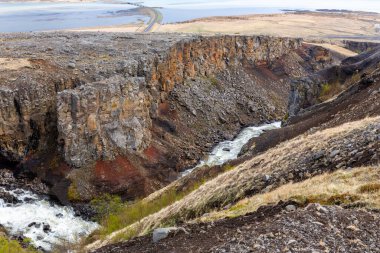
{"x": 45, "y": 223}
{"x": 229, "y": 150}
{"x": 48, "y": 224}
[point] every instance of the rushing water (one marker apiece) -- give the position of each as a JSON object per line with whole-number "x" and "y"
{"x": 45, "y": 223}
{"x": 229, "y": 150}
{"x": 48, "y": 224}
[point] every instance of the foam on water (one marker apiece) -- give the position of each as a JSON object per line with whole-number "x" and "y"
{"x": 229, "y": 150}
{"x": 37, "y": 210}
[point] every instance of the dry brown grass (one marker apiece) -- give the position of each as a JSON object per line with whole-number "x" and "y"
{"x": 233, "y": 185}
{"x": 308, "y": 25}
{"x": 335, "y": 48}
{"x": 14, "y": 63}
{"x": 358, "y": 185}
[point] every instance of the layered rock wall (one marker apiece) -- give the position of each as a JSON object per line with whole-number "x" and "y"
{"x": 133, "y": 110}
{"x": 307, "y": 91}
{"x": 28, "y": 116}
{"x": 28, "y": 105}
{"x": 100, "y": 120}
{"x": 106, "y": 119}
{"x": 209, "y": 55}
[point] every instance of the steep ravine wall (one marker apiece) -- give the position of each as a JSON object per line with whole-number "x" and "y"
{"x": 130, "y": 123}
{"x": 105, "y": 119}
{"x": 28, "y": 114}
{"x": 314, "y": 89}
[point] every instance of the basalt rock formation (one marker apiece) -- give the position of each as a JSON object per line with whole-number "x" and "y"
{"x": 360, "y": 46}
{"x": 323, "y": 145}
{"x": 327, "y": 83}
{"x": 125, "y": 113}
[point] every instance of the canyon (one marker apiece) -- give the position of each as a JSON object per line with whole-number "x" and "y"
{"x": 87, "y": 114}
{"x": 320, "y": 167}
{"x": 126, "y": 114}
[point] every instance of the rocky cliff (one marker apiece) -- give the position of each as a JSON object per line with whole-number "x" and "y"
{"x": 132, "y": 110}
{"x": 360, "y": 46}
{"x": 330, "y": 82}
{"x": 103, "y": 119}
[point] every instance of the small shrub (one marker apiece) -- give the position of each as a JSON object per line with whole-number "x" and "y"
{"x": 355, "y": 77}
{"x": 326, "y": 88}
{"x": 369, "y": 188}
{"x": 286, "y": 117}
{"x": 329, "y": 90}
{"x": 214, "y": 82}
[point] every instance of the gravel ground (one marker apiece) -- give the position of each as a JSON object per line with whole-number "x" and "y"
{"x": 281, "y": 228}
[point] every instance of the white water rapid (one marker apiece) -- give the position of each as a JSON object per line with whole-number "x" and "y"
{"x": 229, "y": 150}
{"x": 45, "y": 223}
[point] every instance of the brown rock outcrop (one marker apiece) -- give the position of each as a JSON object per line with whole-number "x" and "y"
{"x": 160, "y": 101}
{"x": 97, "y": 119}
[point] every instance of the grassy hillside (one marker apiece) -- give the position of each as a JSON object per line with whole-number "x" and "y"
{"x": 299, "y": 159}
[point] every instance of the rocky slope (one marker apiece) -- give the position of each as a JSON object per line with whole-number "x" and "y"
{"x": 125, "y": 113}
{"x": 284, "y": 227}
{"x": 347, "y": 146}
{"x": 358, "y": 99}
{"x": 341, "y": 133}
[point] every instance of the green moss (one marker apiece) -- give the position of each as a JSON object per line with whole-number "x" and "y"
{"x": 12, "y": 246}
{"x": 72, "y": 193}
{"x": 119, "y": 215}
{"x": 106, "y": 205}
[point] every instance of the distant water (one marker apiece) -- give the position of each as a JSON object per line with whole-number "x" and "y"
{"x": 357, "y": 5}
{"x": 229, "y": 150}
{"x": 22, "y": 17}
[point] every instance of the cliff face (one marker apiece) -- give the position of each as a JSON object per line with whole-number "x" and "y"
{"x": 360, "y": 46}
{"x": 105, "y": 119}
{"x": 134, "y": 110}
{"x": 207, "y": 56}
{"x": 100, "y": 120}
{"x": 325, "y": 84}
{"x": 28, "y": 112}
